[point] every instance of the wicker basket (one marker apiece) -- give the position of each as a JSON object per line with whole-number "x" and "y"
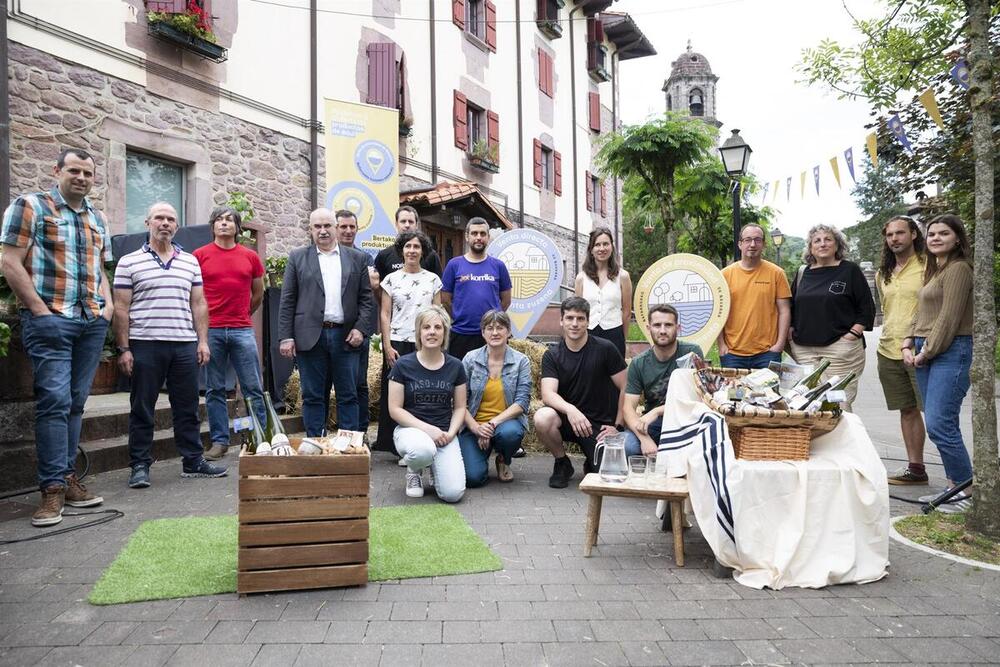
{"x": 763, "y": 434}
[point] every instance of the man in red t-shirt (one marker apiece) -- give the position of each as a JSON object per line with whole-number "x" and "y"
{"x": 233, "y": 277}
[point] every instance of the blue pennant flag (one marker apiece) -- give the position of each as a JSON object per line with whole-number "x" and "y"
{"x": 849, "y": 159}
{"x": 898, "y": 131}
{"x": 767, "y": 186}
{"x": 788, "y": 189}
{"x": 960, "y": 73}
{"x": 816, "y": 178}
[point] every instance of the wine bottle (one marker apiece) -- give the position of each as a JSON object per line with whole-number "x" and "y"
{"x": 273, "y": 426}
{"x": 803, "y": 401}
{"x": 257, "y": 437}
{"x": 838, "y": 384}
{"x": 810, "y": 381}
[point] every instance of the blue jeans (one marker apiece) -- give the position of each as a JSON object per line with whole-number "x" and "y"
{"x": 752, "y": 362}
{"x": 943, "y": 383}
{"x": 64, "y": 355}
{"x": 156, "y": 361}
{"x": 239, "y": 346}
{"x": 632, "y": 445}
{"x": 330, "y": 363}
{"x": 506, "y": 439}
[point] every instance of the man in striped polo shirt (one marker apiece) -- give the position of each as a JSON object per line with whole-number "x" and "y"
{"x": 161, "y": 324}
{"x": 55, "y": 243}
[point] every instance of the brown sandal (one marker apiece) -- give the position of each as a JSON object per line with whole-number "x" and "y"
{"x": 503, "y": 470}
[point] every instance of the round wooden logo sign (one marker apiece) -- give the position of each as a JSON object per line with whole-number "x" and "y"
{"x": 692, "y": 285}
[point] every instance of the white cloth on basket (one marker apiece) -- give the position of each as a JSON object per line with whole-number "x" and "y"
{"x": 780, "y": 523}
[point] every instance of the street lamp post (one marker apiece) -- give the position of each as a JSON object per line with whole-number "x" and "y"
{"x": 777, "y": 238}
{"x": 735, "y": 155}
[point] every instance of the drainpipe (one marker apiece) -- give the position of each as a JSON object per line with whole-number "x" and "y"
{"x": 434, "y": 143}
{"x": 614, "y": 128}
{"x": 4, "y": 113}
{"x": 520, "y": 120}
{"x": 313, "y": 103}
{"x": 576, "y": 170}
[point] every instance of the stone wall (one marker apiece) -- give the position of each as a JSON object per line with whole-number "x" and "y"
{"x": 55, "y": 104}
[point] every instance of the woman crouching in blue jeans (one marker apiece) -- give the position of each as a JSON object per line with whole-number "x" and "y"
{"x": 940, "y": 348}
{"x": 427, "y": 401}
{"x": 499, "y": 396}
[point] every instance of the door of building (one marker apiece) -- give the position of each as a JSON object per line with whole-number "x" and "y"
{"x": 447, "y": 242}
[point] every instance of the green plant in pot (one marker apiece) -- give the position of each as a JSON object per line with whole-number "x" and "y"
{"x": 482, "y": 150}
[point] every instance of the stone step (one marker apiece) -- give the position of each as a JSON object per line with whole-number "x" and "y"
{"x": 17, "y": 460}
{"x": 109, "y": 418}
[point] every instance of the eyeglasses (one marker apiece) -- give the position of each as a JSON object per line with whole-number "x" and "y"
{"x": 495, "y": 327}
{"x": 753, "y": 240}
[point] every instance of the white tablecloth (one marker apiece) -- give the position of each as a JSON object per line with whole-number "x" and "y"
{"x": 781, "y": 523}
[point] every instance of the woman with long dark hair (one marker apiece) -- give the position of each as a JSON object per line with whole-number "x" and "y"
{"x": 607, "y": 287}
{"x": 940, "y": 347}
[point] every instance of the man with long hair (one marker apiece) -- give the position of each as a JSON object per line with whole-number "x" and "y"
{"x": 898, "y": 282}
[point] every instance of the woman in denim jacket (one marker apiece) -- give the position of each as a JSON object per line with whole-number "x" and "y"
{"x": 499, "y": 395}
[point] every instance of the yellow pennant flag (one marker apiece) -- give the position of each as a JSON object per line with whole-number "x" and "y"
{"x": 930, "y": 103}
{"x": 802, "y": 190}
{"x": 743, "y": 187}
{"x": 836, "y": 169}
{"x": 872, "y": 148}
{"x": 775, "y": 195}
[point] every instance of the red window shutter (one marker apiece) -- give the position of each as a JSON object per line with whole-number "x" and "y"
{"x": 461, "y": 122}
{"x": 590, "y": 190}
{"x": 595, "y": 112}
{"x": 491, "y": 26}
{"x": 604, "y": 200}
{"x": 557, "y": 168}
{"x": 166, "y": 6}
{"x": 493, "y": 133}
{"x": 541, "y": 70}
{"x": 550, "y": 85}
{"x": 536, "y": 159}
{"x": 458, "y": 13}
{"x": 383, "y": 75}
{"x": 598, "y": 30}
{"x": 592, "y": 29}
{"x": 540, "y": 10}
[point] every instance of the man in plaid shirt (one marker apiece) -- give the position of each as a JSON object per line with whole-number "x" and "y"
{"x": 54, "y": 246}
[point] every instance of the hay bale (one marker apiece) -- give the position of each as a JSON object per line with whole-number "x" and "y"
{"x": 534, "y": 351}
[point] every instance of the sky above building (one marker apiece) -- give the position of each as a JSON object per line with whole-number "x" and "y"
{"x": 753, "y": 47}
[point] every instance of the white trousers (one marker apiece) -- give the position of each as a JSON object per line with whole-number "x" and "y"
{"x": 419, "y": 451}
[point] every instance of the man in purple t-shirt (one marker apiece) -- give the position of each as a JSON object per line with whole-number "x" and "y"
{"x": 472, "y": 284}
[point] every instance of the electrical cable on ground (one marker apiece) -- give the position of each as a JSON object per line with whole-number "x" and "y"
{"x": 112, "y": 514}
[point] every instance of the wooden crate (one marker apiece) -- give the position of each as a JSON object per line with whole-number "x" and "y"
{"x": 303, "y": 522}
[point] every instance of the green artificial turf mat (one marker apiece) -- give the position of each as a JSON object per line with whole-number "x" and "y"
{"x": 178, "y": 558}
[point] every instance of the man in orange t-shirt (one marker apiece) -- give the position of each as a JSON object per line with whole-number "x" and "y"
{"x": 761, "y": 309}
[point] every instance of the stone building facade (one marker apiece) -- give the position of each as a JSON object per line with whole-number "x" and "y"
{"x": 54, "y": 103}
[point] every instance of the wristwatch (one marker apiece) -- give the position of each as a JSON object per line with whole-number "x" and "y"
{"x": 122, "y": 350}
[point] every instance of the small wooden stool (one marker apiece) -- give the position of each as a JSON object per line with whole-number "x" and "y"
{"x": 672, "y": 489}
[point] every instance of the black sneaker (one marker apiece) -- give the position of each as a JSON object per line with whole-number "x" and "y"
{"x": 204, "y": 469}
{"x": 562, "y": 472}
{"x": 519, "y": 454}
{"x": 139, "y": 479}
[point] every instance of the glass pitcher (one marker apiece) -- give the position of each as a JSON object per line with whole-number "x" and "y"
{"x": 614, "y": 465}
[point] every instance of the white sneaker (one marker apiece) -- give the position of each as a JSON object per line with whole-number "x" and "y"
{"x": 963, "y": 505}
{"x": 401, "y": 463}
{"x": 414, "y": 485}
{"x": 430, "y": 476}
{"x": 954, "y": 499}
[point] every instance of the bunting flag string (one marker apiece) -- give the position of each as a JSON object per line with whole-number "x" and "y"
{"x": 849, "y": 159}
{"x": 836, "y": 171}
{"x": 898, "y": 131}
{"x": 960, "y": 74}
{"x": 872, "y": 143}
{"x": 930, "y": 103}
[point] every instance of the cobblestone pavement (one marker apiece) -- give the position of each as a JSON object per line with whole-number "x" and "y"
{"x": 626, "y": 605}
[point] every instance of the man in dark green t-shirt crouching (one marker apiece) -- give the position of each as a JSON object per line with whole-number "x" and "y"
{"x": 648, "y": 375}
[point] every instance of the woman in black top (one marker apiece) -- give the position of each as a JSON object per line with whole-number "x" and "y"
{"x": 427, "y": 394}
{"x": 832, "y": 307}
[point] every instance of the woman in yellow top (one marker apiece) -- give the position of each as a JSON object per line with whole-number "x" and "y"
{"x": 499, "y": 381}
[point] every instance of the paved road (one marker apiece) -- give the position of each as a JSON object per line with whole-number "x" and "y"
{"x": 627, "y": 605}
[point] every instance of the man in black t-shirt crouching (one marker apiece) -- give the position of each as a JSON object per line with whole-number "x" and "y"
{"x": 583, "y": 381}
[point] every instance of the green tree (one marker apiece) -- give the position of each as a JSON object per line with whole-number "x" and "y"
{"x": 652, "y": 153}
{"x": 879, "y": 195}
{"x": 903, "y": 53}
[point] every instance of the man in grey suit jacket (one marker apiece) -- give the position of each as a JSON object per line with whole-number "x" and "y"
{"x": 325, "y": 315}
